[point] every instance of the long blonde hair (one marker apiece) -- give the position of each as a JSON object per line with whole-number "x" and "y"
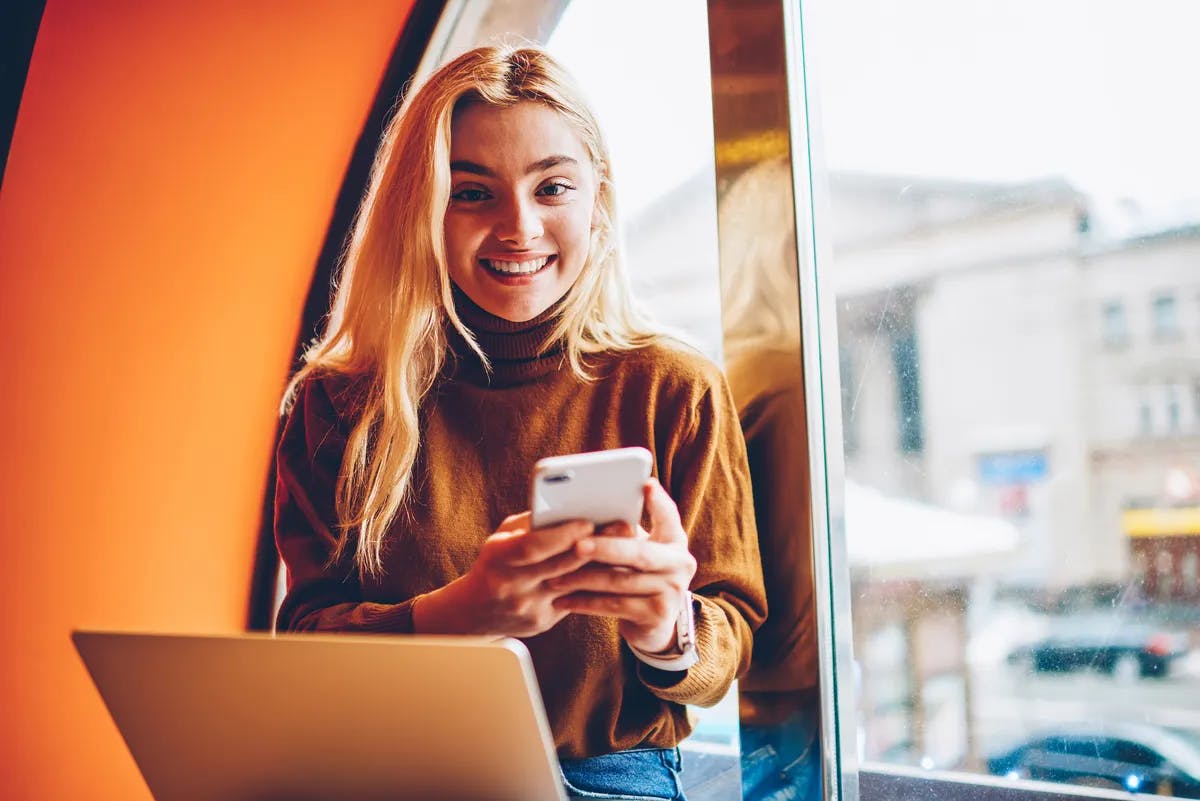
{"x": 393, "y": 297}
{"x": 759, "y": 279}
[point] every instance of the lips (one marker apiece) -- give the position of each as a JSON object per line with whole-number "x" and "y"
{"x": 513, "y": 267}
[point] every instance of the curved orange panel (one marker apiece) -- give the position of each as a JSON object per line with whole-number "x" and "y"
{"x": 172, "y": 174}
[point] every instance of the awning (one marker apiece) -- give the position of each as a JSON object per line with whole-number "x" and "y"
{"x": 899, "y": 538}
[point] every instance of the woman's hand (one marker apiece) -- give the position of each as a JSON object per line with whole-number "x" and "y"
{"x": 641, "y": 579}
{"x": 507, "y": 591}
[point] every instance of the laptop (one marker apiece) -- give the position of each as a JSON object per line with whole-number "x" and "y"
{"x": 256, "y": 717}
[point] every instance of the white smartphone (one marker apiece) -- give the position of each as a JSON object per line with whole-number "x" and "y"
{"x": 601, "y": 486}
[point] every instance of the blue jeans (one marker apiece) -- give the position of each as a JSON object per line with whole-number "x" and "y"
{"x": 782, "y": 762}
{"x": 640, "y": 774}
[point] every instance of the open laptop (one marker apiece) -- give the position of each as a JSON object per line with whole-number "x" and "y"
{"x": 311, "y": 717}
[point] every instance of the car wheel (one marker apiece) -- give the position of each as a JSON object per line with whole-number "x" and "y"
{"x": 1126, "y": 668}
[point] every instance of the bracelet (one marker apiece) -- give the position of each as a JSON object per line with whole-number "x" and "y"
{"x": 685, "y": 654}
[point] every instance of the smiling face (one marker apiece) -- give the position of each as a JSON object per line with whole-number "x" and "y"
{"x": 522, "y": 193}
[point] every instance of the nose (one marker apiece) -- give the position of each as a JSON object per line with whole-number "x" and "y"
{"x": 519, "y": 223}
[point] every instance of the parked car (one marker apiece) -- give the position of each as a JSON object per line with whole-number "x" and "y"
{"x": 1122, "y": 649}
{"x": 1133, "y": 757}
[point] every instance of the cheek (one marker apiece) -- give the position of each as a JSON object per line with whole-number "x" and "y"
{"x": 457, "y": 233}
{"x": 576, "y": 226}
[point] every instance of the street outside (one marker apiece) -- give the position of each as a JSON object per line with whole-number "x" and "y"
{"x": 1012, "y": 701}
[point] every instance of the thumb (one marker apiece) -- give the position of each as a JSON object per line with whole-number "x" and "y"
{"x": 665, "y": 525}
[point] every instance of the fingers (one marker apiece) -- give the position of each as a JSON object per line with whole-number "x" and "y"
{"x": 646, "y": 556}
{"x": 665, "y": 525}
{"x": 622, "y": 529}
{"x": 647, "y": 610}
{"x": 523, "y": 547}
{"x": 611, "y": 580}
{"x": 562, "y": 564}
{"x": 517, "y": 522}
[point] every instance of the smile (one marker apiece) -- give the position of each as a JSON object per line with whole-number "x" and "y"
{"x": 505, "y": 267}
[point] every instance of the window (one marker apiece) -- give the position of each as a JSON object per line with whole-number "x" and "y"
{"x": 1165, "y": 567}
{"x": 1173, "y": 414}
{"x": 972, "y": 213}
{"x": 1165, "y": 317}
{"x": 1189, "y": 570}
{"x": 1133, "y": 753}
{"x": 1115, "y": 330}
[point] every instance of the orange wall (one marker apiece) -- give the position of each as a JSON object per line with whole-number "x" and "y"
{"x": 171, "y": 178}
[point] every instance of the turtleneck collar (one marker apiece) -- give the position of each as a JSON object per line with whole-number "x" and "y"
{"x": 512, "y": 348}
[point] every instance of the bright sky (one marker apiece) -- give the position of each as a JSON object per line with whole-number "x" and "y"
{"x": 644, "y": 66}
{"x": 1103, "y": 92}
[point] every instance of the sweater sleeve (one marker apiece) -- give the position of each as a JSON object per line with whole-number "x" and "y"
{"x": 321, "y": 595}
{"x": 707, "y": 475}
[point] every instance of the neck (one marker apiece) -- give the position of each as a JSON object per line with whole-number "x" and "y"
{"x": 517, "y": 351}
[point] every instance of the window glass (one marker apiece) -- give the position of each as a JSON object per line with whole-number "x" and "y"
{"x": 1115, "y": 331}
{"x": 1125, "y": 751}
{"x": 1165, "y": 316}
{"x": 1173, "y": 416}
{"x": 1013, "y": 214}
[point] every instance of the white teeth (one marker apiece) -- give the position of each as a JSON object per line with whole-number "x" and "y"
{"x": 516, "y": 267}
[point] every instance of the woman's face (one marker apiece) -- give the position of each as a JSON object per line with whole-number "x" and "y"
{"x": 522, "y": 190}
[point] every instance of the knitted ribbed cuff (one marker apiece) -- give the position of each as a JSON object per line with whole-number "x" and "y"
{"x": 386, "y": 618}
{"x": 706, "y": 681}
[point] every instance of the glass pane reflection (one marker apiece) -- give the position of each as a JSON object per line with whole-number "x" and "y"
{"x": 1016, "y": 241}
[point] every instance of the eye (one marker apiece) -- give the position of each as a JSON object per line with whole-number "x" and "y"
{"x": 555, "y": 189}
{"x": 470, "y": 195}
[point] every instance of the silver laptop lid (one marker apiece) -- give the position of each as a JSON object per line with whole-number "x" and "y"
{"x": 308, "y": 717}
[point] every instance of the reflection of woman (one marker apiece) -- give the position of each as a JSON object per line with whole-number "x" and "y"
{"x": 481, "y": 322}
{"x": 778, "y": 700}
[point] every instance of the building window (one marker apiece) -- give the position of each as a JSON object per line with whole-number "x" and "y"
{"x": 906, "y": 363}
{"x": 1165, "y": 317}
{"x": 1190, "y": 570}
{"x": 1165, "y": 567}
{"x": 1145, "y": 419}
{"x": 1115, "y": 329}
{"x": 1173, "y": 421}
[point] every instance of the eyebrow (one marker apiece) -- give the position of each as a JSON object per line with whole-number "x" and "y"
{"x": 544, "y": 164}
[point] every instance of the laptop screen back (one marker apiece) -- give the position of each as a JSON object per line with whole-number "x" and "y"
{"x": 307, "y": 717}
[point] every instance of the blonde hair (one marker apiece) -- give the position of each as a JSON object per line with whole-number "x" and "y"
{"x": 393, "y": 297}
{"x": 759, "y": 278}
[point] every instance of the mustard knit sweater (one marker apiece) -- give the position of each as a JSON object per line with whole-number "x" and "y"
{"x": 480, "y": 438}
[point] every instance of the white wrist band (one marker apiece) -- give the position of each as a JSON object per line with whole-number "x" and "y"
{"x": 685, "y": 654}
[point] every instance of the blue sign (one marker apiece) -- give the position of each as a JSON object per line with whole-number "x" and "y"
{"x": 1023, "y": 467}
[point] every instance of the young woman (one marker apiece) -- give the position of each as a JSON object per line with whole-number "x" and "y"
{"x": 482, "y": 322}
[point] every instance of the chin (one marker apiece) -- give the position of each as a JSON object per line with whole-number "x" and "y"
{"x": 519, "y": 313}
